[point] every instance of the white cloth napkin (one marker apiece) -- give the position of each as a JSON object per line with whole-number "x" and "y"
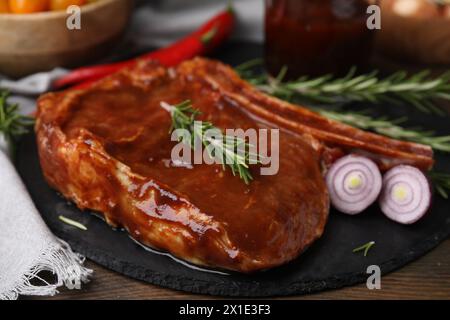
{"x": 34, "y": 84}
{"x": 27, "y": 246}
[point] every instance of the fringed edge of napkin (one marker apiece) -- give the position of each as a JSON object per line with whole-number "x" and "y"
{"x": 59, "y": 259}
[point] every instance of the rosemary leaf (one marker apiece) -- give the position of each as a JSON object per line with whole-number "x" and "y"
{"x": 184, "y": 117}
{"x": 365, "y": 247}
{"x": 73, "y": 223}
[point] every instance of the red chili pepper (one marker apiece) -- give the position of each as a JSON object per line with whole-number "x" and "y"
{"x": 84, "y": 85}
{"x": 202, "y": 41}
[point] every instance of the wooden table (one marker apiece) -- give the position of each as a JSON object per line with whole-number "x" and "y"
{"x": 426, "y": 278}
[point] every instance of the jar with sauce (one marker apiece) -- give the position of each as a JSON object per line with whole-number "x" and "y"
{"x": 316, "y": 37}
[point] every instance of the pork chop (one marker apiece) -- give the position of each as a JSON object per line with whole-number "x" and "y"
{"x": 108, "y": 149}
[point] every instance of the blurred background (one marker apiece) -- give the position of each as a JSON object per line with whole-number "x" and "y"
{"x": 310, "y": 37}
{"x": 293, "y": 39}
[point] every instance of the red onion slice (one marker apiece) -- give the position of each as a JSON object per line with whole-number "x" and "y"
{"x": 406, "y": 195}
{"x": 354, "y": 183}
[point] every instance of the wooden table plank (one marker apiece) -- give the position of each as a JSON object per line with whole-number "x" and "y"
{"x": 426, "y": 278}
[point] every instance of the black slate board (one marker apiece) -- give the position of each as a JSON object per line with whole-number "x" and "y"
{"x": 329, "y": 263}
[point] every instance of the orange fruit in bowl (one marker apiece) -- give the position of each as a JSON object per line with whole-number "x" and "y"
{"x": 4, "y": 6}
{"x": 63, "y": 4}
{"x": 28, "y": 6}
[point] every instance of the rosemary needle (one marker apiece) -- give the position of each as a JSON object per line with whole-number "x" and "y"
{"x": 366, "y": 247}
{"x": 73, "y": 223}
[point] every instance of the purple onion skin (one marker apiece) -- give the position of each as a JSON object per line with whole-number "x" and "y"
{"x": 354, "y": 183}
{"x": 418, "y": 194}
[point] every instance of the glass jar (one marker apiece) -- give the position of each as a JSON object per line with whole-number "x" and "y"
{"x": 316, "y": 37}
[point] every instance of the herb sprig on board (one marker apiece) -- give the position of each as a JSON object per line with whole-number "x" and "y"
{"x": 72, "y": 223}
{"x": 419, "y": 90}
{"x": 12, "y": 123}
{"x": 364, "y": 248}
{"x": 441, "y": 182}
{"x": 228, "y": 148}
{"x": 387, "y": 127}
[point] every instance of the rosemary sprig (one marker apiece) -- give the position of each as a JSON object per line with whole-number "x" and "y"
{"x": 365, "y": 247}
{"x": 441, "y": 182}
{"x": 227, "y": 149}
{"x": 419, "y": 90}
{"x": 387, "y": 127}
{"x": 12, "y": 123}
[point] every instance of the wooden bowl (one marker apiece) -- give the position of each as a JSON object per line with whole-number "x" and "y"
{"x": 415, "y": 31}
{"x": 41, "y": 41}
